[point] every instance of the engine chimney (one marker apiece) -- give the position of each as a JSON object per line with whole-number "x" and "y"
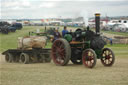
{"x": 97, "y": 23}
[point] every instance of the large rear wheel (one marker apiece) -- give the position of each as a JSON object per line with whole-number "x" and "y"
{"x": 61, "y": 52}
{"x": 89, "y": 58}
{"x": 108, "y": 57}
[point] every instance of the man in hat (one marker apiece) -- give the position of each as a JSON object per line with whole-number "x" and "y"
{"x": 56, "y": 35}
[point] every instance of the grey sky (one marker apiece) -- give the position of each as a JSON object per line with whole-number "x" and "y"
{"x": 18, "y": 9}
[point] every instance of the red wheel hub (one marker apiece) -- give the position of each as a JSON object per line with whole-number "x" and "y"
{"x": 107, "y": 57}
{"x": 88, "y": 59}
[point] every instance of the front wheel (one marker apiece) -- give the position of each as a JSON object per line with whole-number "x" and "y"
{"x": 89, "y": 58}
{"x": 108, "y": 57}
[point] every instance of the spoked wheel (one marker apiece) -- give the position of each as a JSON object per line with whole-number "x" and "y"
{"x": 61, "y": 52}
{"x": 108, "y": 57}
{"x": 78, "y": 62}
{"x": 24, "y": 58}
{"x": 9, "y": 57}
{"x": 89, "y": 58}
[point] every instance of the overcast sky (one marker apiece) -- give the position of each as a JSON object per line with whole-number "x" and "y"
{"x": 35, "y": 9}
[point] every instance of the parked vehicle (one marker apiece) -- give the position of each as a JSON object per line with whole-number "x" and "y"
{"x": 17, "y": 26}
{"x": 120, "y": 28}
{"x": 5, "y": 27}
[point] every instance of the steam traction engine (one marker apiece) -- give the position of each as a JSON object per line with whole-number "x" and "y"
{"x": 82, "y": 46}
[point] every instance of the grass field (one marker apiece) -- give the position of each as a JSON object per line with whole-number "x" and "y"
{"x": 10, "y": 41}
{"x": 117, "y": 33}
{"x": 50, "y": 74}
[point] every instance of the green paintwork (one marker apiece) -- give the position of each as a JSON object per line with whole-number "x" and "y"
{"x": 98, "y": 53}
{"x": 68, "y": 37}
{"x": 85, "y": 45}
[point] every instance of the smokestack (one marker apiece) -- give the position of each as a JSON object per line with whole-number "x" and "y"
{"x": 97, "y": 23}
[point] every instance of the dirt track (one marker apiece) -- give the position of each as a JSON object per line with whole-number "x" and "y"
{"x": 2, "y": 58}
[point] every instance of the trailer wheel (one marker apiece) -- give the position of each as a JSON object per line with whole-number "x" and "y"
{"x": 24, "y": 57}
{"x": 47, "y": 58}
{"x": 89, "y": 58}
{"x": 61, "y": 52}
{"x": 108, "y": 57}
{"x": 9, "y": 57}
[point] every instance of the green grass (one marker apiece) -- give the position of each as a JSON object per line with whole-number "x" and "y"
{"x": 120, "y": 50}
{"x": 50, "y": 74}
{"x": 117, "y": 45}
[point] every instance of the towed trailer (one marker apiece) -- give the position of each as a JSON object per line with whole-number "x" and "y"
{"x": 27, "y": 55}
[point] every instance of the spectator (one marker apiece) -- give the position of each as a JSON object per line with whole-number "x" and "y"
{"x": 56, "y": 35}
{"x": 64, "y": 31}
{"x": 110, "y": 41}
